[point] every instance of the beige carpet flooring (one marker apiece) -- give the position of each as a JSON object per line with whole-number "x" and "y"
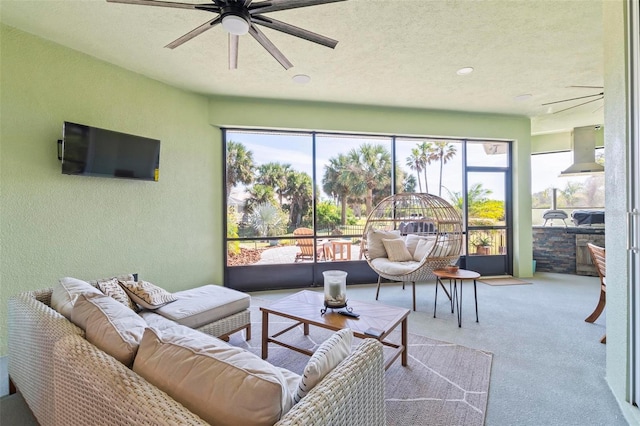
{"x": 502, "y": 281}
{"x": 444, "y": 383}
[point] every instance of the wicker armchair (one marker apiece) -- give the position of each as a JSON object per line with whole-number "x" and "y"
{"x": 413, "y": 216}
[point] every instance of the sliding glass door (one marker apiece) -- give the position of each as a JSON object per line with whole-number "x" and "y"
{"x": 487, "y": 202}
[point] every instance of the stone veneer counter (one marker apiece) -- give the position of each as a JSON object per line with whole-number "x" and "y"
{"x": 564, "y": 249}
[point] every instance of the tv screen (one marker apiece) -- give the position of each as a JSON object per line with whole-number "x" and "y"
{"x": 92, "y": 151}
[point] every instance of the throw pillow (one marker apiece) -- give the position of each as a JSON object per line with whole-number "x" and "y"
{"x": 109, "y": 325}
{"x": 328, "y": 355}
{"x": 396, "y": 250}
{"x": 146, "y": 294}
{"x": 375, "y": 247}
{"x": 111, "y": 288}
{"x": 66, "y": 293}
{"x": 223, "y": 384}
{"x": 423, "y": 248}
{"x": 411, "y": 240}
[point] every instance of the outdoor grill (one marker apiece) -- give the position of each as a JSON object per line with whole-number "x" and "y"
{"x": 588, "y": 217}
{"x": 555, "y": 214}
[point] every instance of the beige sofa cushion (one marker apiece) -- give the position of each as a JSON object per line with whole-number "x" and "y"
{"x": 109, "y": 325}
{"x": 375, "y": 246}
{"x": 328, "y": 355}
{"x": 203, "y": 305}
{"x": 66, "y": 292}
{"x": 224, "y": 385}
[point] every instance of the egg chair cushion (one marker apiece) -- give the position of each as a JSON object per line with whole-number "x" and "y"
{"x": 384, "y": 266}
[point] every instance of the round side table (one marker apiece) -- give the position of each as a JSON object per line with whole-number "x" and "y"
{"x": 456, "y": 299}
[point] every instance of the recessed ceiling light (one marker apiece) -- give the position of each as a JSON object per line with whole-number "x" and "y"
{"x": 301, "y": 78}
{"x": 523, "y": 97}
{"x": 464, "y": 71}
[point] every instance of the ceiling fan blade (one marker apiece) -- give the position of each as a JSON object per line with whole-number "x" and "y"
{"x": 165, "y": 4}
{"x": 195, "y": 32}
{"x": 576, "y": 106}
{"x": 573, "y": 99}
{"x": 233, "y": 51}
{"x": 275, "y": 5}
{"x": 293, "y": 30}
{"x": 271, "y": 48}
{"x": 246, "y": 2}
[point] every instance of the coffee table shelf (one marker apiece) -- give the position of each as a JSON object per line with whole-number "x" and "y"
{"x": 304, "y": 308}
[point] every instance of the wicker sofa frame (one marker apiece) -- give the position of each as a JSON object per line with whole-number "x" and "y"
{"x": 66, "y": 380}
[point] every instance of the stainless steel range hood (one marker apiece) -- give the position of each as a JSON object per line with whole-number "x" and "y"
{"x": 584, "y": 152}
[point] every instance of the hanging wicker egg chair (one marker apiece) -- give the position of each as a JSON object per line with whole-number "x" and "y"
{"x": 428, "y": 234}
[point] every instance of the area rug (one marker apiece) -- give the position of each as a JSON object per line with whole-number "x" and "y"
{"x": 444, "y": 383}
{"x": 502, "y": 281}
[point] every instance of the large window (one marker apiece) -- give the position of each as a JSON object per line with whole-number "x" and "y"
{"x": 302, "y": 198}
{"x": 570, "y": 192}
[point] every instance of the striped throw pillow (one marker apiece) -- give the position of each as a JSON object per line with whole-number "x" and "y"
{"x": 329, "y": 354}
{"x": 146, "y": 294}
{"x": 111, "y": 288}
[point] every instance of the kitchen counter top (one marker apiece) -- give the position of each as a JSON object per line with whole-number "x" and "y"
{"x": 572, "y": 229}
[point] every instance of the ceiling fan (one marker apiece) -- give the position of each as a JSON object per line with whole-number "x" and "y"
{"x": 588, "y": 99}
{"x": 239, "y": 17}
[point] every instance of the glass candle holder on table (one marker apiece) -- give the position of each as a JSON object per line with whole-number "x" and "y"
{"x": 335, "y": 289}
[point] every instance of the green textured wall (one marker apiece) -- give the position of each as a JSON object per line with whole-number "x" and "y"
{"x": 54, "y": 225}
{"x": 357, "y": 118}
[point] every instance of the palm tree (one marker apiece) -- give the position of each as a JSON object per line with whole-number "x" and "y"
{"x": 443, "y": 151}
{"x": 299, "y": 191}
{"x": 340, "y": 183}
{"x": 259, "y": 194}
{"x": 409, "y": 183}
{"x": 274, "y": 175}
{"x": 425, "y": 150}
{"x": 476, "y": 195}
{"x": 372, "y": 163}
{"x": 570, "y": 193}
{"x": 414, "y": 162}
{"x": 240, "y": 165}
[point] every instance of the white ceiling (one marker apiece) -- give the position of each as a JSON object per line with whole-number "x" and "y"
{"x": 401, "y": 53}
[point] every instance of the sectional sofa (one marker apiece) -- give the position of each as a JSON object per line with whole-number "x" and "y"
{"x": 66, "y": 379}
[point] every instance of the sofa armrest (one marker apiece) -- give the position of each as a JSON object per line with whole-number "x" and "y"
{"x": 33, "y": 330}
{"x": 92, "y": 387}
{"x": 352, "y": 393}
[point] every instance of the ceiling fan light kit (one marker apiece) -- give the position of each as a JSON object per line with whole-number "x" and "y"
{"x": 239, "y": 17}
{"x": 235, "y": 25}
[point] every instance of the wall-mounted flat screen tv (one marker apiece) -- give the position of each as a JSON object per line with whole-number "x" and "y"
{"x": 92, "y": 151}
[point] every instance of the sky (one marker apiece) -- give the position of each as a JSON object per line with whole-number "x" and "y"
{"x": 296, "y": 150}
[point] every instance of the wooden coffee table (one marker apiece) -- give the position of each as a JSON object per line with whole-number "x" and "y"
{"x": 304, "y": 308}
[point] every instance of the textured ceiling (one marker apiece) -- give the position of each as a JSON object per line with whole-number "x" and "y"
{"x": 401, "y": 53}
